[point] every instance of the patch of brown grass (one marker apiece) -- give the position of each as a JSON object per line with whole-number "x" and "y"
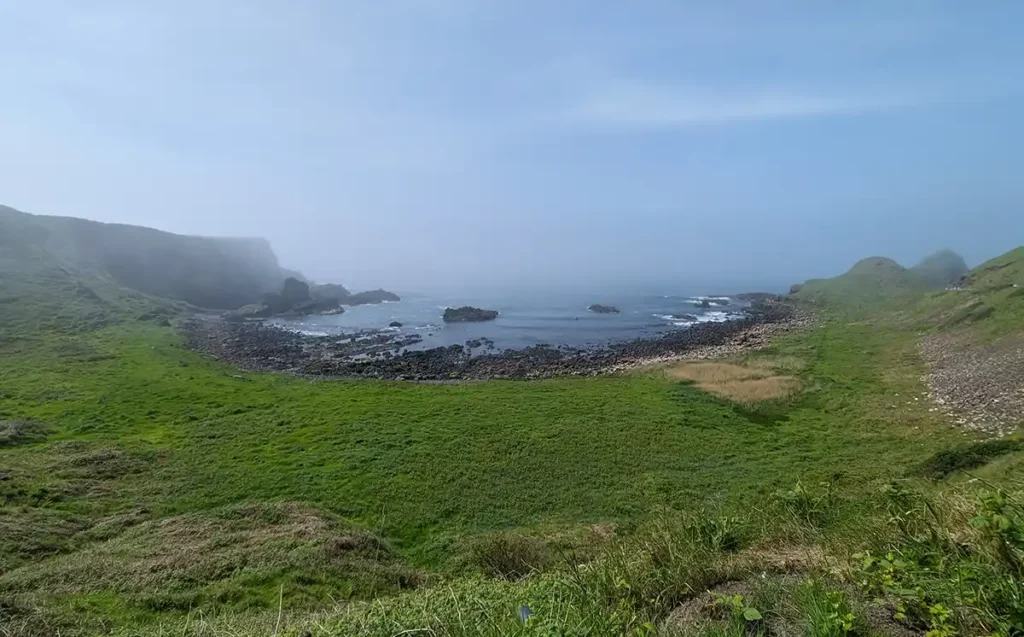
{"x": 712, "y": 373}
{"x": 751, "y": 383}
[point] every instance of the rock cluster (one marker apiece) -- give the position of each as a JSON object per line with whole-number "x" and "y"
{"x": 297, "y": 298}
{"x": 980, "y": 387}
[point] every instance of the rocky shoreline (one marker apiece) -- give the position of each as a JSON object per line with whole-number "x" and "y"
{"x": 257, "y": 346}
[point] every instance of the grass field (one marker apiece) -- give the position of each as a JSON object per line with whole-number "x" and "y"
{"x": 148, "y": 490}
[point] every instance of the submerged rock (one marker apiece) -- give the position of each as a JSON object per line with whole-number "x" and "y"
{"x": 467, "y": 314}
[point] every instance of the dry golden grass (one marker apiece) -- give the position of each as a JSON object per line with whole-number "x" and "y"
{"x": 756, "y": 390}
{"x": 742, "y": 383}
{"x": 702, "y": 373}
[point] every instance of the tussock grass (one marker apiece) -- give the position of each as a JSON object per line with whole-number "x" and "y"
{"x": 180, "y": 562}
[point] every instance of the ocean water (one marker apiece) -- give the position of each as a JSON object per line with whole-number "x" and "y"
{"x": 527, "y": 320}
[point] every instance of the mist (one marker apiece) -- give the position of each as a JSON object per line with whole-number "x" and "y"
{"x": 444, "y": 145}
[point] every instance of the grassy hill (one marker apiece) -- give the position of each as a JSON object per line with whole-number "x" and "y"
{"x": 205, "y": 272}
{"x": 148, "y": 490}
{"x": 871, "y": 284}
{"x": 989, "y": 298}
{"x": 40, "y": 293}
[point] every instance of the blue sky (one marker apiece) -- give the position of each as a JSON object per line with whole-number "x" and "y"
{"x": 421, "y": 143}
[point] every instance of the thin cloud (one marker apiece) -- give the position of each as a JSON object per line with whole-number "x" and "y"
{"x": 630, "y": 105}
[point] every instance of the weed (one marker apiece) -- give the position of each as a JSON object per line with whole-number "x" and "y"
{"x": 935, "y": 581}
{"x": 511, "y": 556}
{"x": 735, "y": 607}
{"x": 814, "y": 508}
{"x": 829, "y": 613}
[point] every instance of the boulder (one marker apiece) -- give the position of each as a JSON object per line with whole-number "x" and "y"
{"x": 603, "y": 309}
{"x": 468, "y": 314}
{"x": 394, "y": 324}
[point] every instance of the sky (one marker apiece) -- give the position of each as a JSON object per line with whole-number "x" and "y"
{"x": 421, "y": 144}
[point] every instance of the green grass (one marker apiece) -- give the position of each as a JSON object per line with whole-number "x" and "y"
{"x": 141, "y": 430}
{"x": 990, "y": 304}
{"x": 145, "y": 489}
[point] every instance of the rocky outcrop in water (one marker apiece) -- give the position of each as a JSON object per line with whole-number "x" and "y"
{"x": 294, "y": 299}
{"x": 467, "y": 314}
{"x": 597, "y": 308}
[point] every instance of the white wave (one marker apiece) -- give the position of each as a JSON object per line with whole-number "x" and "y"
{"x": 716, "y": 317}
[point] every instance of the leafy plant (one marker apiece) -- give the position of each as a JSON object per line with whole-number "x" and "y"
{"x": 737, "y": 608}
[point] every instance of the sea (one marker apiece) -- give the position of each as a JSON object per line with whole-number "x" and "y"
{"x": 527, "y": 320}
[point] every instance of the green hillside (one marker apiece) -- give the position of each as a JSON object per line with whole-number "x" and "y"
{"x": 40, "y": 293}
{"x": 205, "y": 272}
{"x": 871, "y": 284}
{"x": 989, "y": 298}
{"x": 148, "y": 490}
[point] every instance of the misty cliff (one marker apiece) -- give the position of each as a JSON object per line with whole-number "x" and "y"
{"x": 216, "y": 273}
